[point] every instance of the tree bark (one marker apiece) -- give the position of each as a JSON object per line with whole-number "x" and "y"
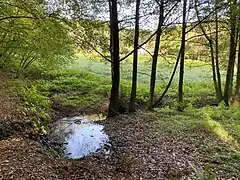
{"x": 210, "y": 43}
{"x": 155, "y": 56}
{"x": 214, "y": 69}
{"x": 237, "y": 91}
{"x": 132, "y": 103}
{"x": 114, "y": 97}
{"x": 232, "y": 56}
{"x": 231, "y": 90}
{"x": 170, "y": 80}
{"x": 110, "y": 46}
{"x": 181, "y": 73}
{"x": 219, "y": 93}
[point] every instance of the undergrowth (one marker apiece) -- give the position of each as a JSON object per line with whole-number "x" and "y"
{"x": 217, "y": 130}
{"x": 86, "y": 84}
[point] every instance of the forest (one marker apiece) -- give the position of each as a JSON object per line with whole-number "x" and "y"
{"x": 120, "y": 89}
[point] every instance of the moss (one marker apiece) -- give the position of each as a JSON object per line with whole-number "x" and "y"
{"x": 5, "y": 130}
{"x": 82, "y": 100}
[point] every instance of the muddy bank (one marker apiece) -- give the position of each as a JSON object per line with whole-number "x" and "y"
{"x": 59, "y": 110}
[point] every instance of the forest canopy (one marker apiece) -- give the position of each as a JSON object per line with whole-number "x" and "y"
{"x": 29, "y": 34}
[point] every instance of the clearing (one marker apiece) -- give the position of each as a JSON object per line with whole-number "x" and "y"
{"x": 199, "y": 143}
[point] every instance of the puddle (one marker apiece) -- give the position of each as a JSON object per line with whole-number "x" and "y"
{"x": 80, "y": 136}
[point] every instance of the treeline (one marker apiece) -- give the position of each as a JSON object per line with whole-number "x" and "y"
{"x": 46, "y": 31}
{"x": 196, "y": 44}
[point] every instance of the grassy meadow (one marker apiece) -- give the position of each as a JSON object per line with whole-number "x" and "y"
{"x": 92, "y": 77}
{"x": 83, "y": 86}
{"x": 198, "y": 82}
{"x": 86, "y": 82}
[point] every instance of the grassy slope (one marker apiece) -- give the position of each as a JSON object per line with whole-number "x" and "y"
{"x": 87, "y": 83}
{"x": 216, "y": 128}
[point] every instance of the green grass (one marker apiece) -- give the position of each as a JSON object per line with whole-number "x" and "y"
{"x": 214, "y": 131}
{"x": 194, "y": 71}
{"x": 86, "y": 83}
{"x": 198, "y": 85}
{"x": 92, "y": 78}
{"x": 82, "y": 100}
{"x": 223, "y": 122}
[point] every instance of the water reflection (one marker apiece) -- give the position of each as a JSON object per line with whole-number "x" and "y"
{"x": 85, "y": 139}
{"x": 81, "y": 136}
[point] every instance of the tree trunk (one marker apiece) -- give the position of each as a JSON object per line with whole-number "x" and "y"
{"x": 210, "y": 43}
{"x": 114, "y": 97}
{"x": 219, "y": 92}
{"x": 158, "y": 100}
{"x": 181, "y": 73}
{"x": 132, "y": 103}
{"x": 232, "y": 56}
{"x": 214, "y": 69}
{"x": 155, "y": 56}
{"x": 110, "y": 46}
{"x": 231, "y": 96}
{"x": 237, "y": 91}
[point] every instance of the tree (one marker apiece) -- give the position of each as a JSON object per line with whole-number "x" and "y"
{"x": 181, "y": 72}
{"x": 237, "y": 91}
{"x": 232, "y": 55}
{"x": 132, "y": 103}
{"x": 159, "y": 99}
{"x": 155, "y": 55}
{"x": 114, "y": 97}
{"x": 30, "y": 34}
{"x": 219, "y": 90}
{"x": 215, "y": 65}
{"x": 87, "y": 40}
{"x": 194, "y": 25}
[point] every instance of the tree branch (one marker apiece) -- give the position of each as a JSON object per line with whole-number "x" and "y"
{"x": 170, "y": 81}
{"x": 147, "y": 51}
{"x": 202, "y": 20}
{"x": 17, "y": 17}
{"x": 95, "y": 49}
{"x": 150, "y": 37}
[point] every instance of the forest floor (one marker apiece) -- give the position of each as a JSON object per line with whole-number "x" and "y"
{"x": 156, "y": 145}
